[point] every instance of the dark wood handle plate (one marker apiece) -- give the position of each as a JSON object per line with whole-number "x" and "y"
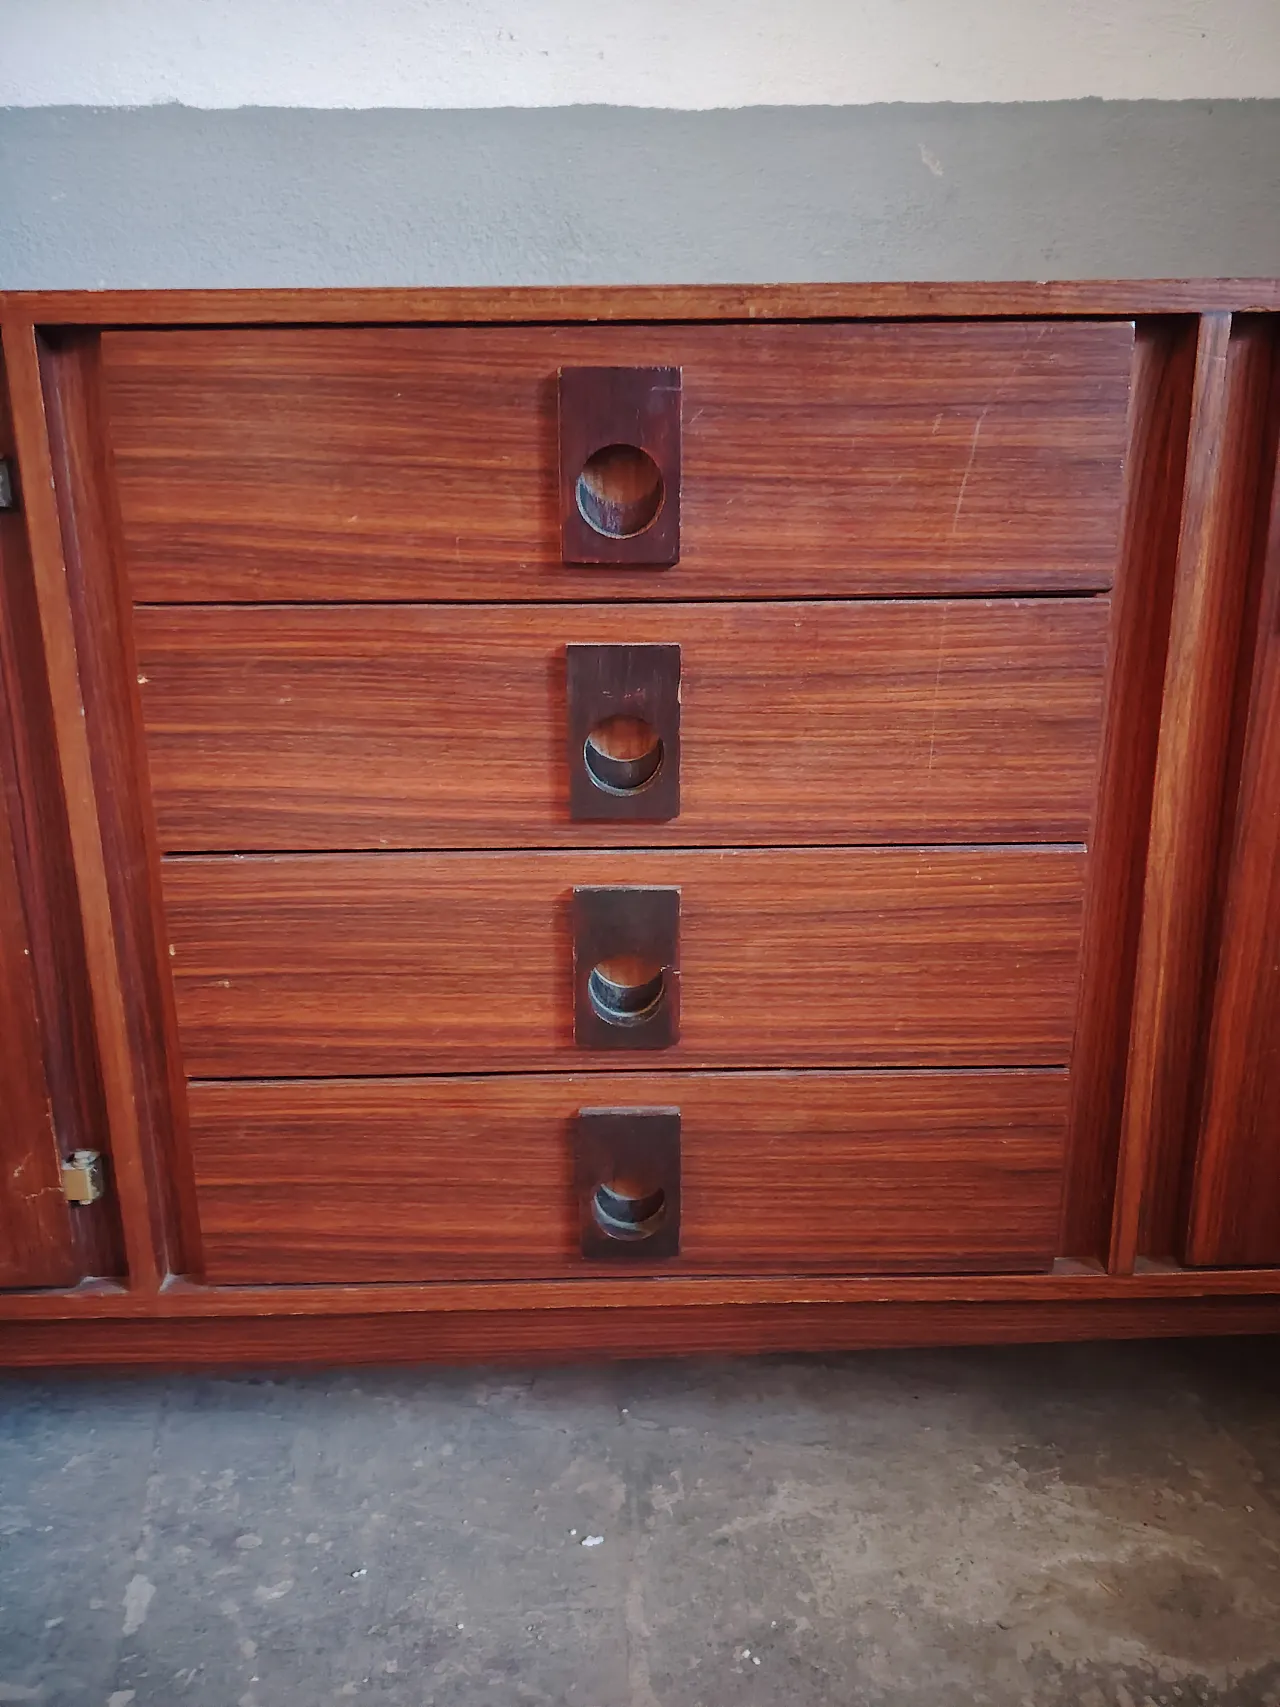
{"x": 627, "y": 1176}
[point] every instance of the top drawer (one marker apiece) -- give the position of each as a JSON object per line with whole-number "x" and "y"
{"x": 411, "y": 464}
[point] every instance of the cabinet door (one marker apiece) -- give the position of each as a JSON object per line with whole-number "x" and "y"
{"x": 1235, "y": 1209}
{"x": 35, "y": 1222}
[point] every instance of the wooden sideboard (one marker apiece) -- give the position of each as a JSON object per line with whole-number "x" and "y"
{"x": 573, "y": 823}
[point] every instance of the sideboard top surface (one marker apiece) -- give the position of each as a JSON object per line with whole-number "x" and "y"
{"x": 463, "y": 304}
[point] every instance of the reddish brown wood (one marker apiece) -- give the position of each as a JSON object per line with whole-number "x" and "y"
{"x": 1159, "y": 422}
{"x": 1235, "y": 1206}
{"x": 155, "y": 1181}
{"x": 93, "y": 864}
{"x": 781, "y": 1173}
{"x": 890, "y": 301}
{"x": 41, "y": 847}
{"x": 36, "y": 1246}
{"x": 1066, "y": 1282}
{"x": 349, "y": 727}
{"x": 370, "y": 962}
{"x": 817, "y": 460}
{"x": 643, "y": 1330}
{"x": 411, "y": 963}
{"x": 1218, "y": 536}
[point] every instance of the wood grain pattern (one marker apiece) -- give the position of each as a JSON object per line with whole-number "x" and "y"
{"x": 444, "y": 726}
{"x": 817, "y": 460}
{"x": 644, "y": 1329}
{"x": 1235, "y": 1205}
{"x": 780, "y": 1172}
{"x": 31, "y": 779}
{"x": 35, "y": 1222}
{"x": 1159, "y": 423}
{"x": 897, "y": 300}
{"x": 861, "y": 943}
{"x": 1219, "y": 534}
{"x": 410, "y": 963}
{"x": 125, "y": 1135}
{"x": 1067, "y": 1282}
{"x": 118, "y": 864}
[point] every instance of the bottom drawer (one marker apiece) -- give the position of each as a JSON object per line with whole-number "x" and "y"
{"x": 398, "y": 1180}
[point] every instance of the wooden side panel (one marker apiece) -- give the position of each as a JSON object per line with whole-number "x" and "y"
{"x": 818, "y": 460}
{"x": 31, "y": 781}
{"x": 1160, "y": 414}
{"x": 100, "y": 736}
{"x": 1225, "y": 499}
{"x": 444, "y": 726}
{"x": 797, "y": 1172}
{"x": 1235, "y": 1208}
{"x": 42, "y": 487}
{"x": 413, "y": 963}
{"x": 36, "y": 1246}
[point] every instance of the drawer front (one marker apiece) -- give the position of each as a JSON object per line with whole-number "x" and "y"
{"x": 356, "y": 464}
{"x": 410, "y": 963}
{"x": 445, "y": 726}
{"x": 471, "y": 1177}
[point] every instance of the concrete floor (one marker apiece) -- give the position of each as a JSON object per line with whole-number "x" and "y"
{"x": 1093, "y": 1526}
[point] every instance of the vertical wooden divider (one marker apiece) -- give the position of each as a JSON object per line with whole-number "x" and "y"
{"x": 1215, "y": 564}
{"x": 77, "y": 574}
{"x": 1155, "y": 462}
{"x": 46, "y": 923}
{"x": 1235, "y": 1207}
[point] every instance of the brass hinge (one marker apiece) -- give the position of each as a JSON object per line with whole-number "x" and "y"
{"x": 82, "y": 1177}
{"x": 8, "y": 486}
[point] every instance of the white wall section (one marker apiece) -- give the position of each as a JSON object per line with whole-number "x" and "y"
{"x": 690, "y": 54}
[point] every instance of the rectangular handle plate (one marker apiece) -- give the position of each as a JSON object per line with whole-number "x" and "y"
{"x": 620, "y": 466}
{"x": 624, "y": 732}
{"x": 626, "y": 968}
{"x": 627, "y": 1177}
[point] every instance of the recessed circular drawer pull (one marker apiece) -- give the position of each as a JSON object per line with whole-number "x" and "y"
{"x": 626, "y": 967}
{"x": 625, "y": 1210}
{"x": 626, "y": 990}
{"x": 623, "y": 754}
{"x": 620, "y": 491}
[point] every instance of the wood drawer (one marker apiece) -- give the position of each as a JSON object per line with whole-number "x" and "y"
{"x": 445, "y": 725}
{"x": 364, "y": 463}
{"x": 377, "y": 1180}
{"x": 408, "y": 963}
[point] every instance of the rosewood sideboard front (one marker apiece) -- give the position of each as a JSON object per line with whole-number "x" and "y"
{"x": 550, "y": 823}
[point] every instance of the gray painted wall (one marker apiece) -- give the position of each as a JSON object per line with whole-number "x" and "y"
{"x": 176, "y": 196}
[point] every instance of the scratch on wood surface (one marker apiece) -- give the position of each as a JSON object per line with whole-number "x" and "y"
{"x": 968, "y": 470}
